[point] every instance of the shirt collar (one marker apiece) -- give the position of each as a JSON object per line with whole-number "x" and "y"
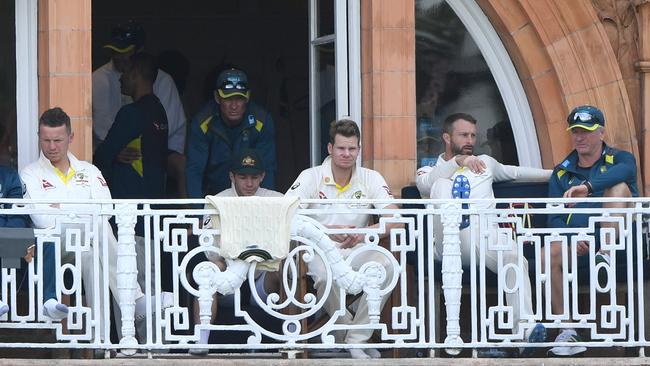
{"x": 328, "y": 176}
{"x": 64, "y": 176}
{"x": 571, "y": 161}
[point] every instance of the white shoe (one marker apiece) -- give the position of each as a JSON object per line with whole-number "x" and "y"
{"x": 167, "y": 301}
{"x": 198, "y": 351}
{"x": 4, "y": 308}
{"x": 372, "y": 352}
{"x": 567, "y": 335}
{"x": 358, "y": 353}
{"x": 54, "y": 310}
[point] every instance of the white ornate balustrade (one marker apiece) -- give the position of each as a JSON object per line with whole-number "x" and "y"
{"x": 609, "y": 314}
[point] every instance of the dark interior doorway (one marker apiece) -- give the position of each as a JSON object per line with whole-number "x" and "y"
{"x": 267, "y": 39}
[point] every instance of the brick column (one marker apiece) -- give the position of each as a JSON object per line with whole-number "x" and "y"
{"x": 64, "y": 66}
{"x": 388, "y": 89}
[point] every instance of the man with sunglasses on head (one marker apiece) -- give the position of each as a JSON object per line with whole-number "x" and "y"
{"x": 216, "y": 133}
{"x": 592, "y": 169}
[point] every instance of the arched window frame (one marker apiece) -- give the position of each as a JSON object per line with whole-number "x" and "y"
{"x": 506, "y": 77}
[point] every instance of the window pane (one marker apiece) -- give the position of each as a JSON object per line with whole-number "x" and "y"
{"x": 325, "y": 17}
{"x": 452, "y": 76}
{"x": 8, "y": 83}
{"x": 325, "y": 80}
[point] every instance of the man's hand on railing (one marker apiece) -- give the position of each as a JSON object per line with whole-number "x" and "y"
{"x": 29, "y": 256}
{"x": 582, "y": 248}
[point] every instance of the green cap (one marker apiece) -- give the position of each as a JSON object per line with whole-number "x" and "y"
{"x": 247, "y": 161}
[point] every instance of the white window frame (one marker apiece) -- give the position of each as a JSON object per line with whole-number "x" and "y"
{"x": 26, "y": 81}
{"x": 347, "y": 63}
{"x": 506, "y": 77}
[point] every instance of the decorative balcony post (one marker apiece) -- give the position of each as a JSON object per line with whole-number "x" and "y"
{"x": 452, "y": 272}
{"x": 375, "y": 275}
{"x": 127, "y": 272}
{"x": 204, "y": 275}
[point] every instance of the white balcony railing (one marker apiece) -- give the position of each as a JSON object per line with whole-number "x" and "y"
{"x": 611, "y": 313}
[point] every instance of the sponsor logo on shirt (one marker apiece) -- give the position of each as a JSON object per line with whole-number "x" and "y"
{"x": 296, "y": 185}
{"x": 387, "y": 189}
{"x": 159, "y": 126}
{"x": 358, "y": 195}
{"x": 207, "y": 221}
{"x": 46, "y": 184}
{"x": 102, "y": 181}
{"x": 81, "y": 179}
{"x": 322, "y": 195}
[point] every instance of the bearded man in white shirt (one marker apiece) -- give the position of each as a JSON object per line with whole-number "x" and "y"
{"x": 458, "y": 173}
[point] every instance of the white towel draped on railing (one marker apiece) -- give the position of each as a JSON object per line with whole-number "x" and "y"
{"x": 255, "y": 229}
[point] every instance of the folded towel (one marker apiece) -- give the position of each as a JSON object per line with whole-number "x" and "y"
{"x": 255, "y": 229}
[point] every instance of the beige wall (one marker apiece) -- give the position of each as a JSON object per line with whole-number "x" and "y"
{"x": 64, "y": 65}
{"x": 388, "y": 89}
{"x": 564, "y": 58}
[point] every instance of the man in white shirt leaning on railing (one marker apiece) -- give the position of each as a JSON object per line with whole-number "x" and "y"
{"x": 458, "y": 173}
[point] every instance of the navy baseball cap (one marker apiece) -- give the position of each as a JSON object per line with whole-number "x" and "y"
{"x": 232, "y": 82}
{"x": 587, "y": 117}
{"x": 247, "y": 161}
{"x": 126, "y": 37}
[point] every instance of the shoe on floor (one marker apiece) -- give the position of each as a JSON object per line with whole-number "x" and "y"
{"x": 166, "y": 299}
{"x": 493, "y": 353}
{"x": 536, "y": 335}
{"x": 54, "y": 310}
{"x": 372, "y": 352}
{"x": 567, "y": 335}
{"x": 198, "y": 351}
{"x": 4, "y": 308}
{"x": 358, "y": 353}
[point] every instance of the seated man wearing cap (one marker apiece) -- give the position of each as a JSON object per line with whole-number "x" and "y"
{"x": 592, "y": 169}
{"x": 246, "y": 173}
{"x": 126, "y": 40}
{"x": 217, "y": 133}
